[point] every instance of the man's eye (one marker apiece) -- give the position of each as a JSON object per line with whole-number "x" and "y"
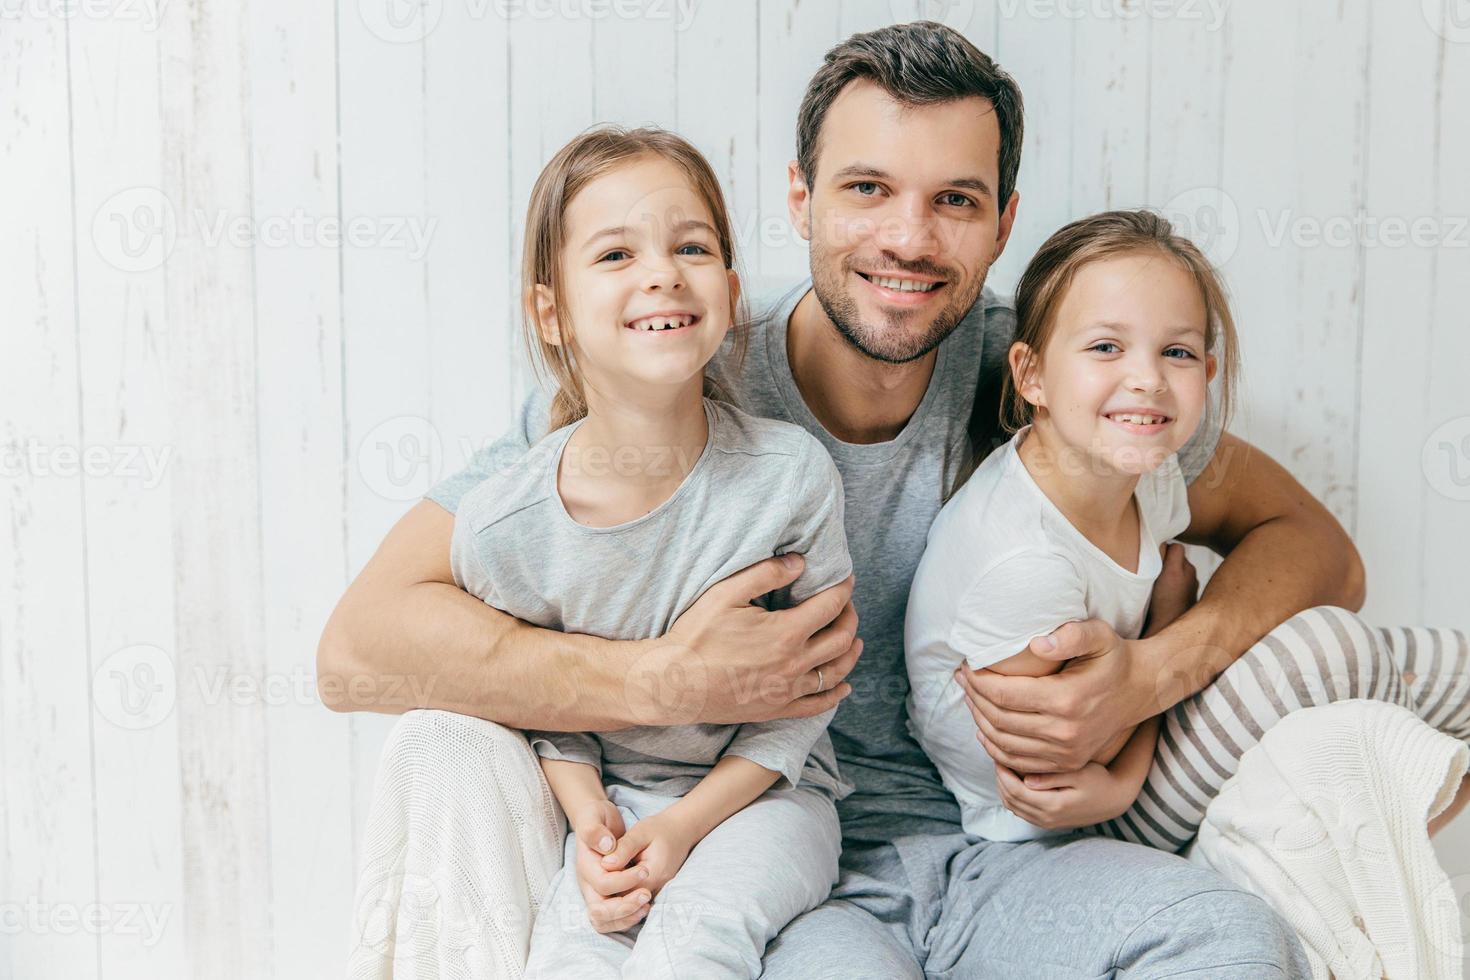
{"x": 956, "y": 200}
{"x": 616, "y": 255}
{"x": 1111, "y": 348}
{"x": 865, "y": 187}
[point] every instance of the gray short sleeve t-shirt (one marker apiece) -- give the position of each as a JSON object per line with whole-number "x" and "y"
{"x": 759, "y": 488}
{"x": 893, "y": 491}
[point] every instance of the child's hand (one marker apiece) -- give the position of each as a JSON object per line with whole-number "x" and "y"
{"x": 657, "y": 845}
{"x": 616, "y": 900}
{"x": 1066, "y": 800}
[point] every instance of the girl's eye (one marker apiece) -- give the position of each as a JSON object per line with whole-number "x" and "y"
{"x": 1179, "y": 353}
{"x": 957, "y": 200}
{"x": 697, "y": 249}
{"x": 616, "y": 255}
{"x": 1112, "y": 347}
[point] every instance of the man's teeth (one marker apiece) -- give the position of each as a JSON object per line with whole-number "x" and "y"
{"x": 662, "y": 322}
{"x": 903, "y": 285}
{"x": 1139, "y": 419}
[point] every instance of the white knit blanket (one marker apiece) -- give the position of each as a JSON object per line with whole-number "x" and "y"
{"x": 1325, "y": 819}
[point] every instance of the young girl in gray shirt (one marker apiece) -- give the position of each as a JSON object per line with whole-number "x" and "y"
{"x": 693, "y": 845}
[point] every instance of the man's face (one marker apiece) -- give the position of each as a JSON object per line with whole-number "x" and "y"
{"x": 902, "y": 217}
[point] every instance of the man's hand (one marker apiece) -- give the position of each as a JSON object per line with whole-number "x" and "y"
{"x": 616, "y": 899}
{"x": 1061, "y": 722}
{"x": 656, "y": 848}
{"x": 737, "y": 662}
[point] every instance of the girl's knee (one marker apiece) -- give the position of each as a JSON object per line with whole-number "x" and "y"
{"x": 1321, "y": 655}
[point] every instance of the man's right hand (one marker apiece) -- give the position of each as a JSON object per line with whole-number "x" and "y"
{"x": 728, "y": 661}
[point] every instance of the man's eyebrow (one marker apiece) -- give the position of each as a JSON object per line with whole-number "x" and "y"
{"x": 619, "y": 231}
{"x": 860, "y": 170}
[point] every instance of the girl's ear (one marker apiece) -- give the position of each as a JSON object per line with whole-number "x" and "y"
{"x": 1211, "y": 365}
{"x": 1025, "y": 373}
{"x": 541, "y": 304}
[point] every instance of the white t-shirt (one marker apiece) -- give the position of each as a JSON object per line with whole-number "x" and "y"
{"x": 1002, "y": 567}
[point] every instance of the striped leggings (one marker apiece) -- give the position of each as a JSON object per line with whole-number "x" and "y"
{"x": 1320, "y": 656}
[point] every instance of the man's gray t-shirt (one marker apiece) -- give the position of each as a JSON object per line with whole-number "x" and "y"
{"x": 893, "y": 492}
{"x": 759, "y": 488}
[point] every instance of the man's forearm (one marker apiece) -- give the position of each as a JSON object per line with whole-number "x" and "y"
{"x": 432, "y": 645}
{"x": 1275, "y": 571}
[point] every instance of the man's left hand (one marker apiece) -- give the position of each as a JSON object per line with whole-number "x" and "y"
{"x": 1061, "y": 722}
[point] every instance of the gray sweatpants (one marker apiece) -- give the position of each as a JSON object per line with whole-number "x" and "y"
{"x": 741, "y": 885}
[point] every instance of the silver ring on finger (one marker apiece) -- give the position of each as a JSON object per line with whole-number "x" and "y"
{"x": 821, "y": 685}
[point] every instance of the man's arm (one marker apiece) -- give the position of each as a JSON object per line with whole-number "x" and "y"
{"x": 1284, "y": 552}
{"x": 405, "y": 636}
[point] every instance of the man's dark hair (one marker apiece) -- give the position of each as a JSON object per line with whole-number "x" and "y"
{"x": 918, "y": 64}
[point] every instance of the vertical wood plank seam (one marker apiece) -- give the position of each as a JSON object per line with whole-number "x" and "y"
{"x": 345, "y": 460}
{"x": 1366, "y": 141}
{"x": 1434, "y": 301}
{"x": 248, "y": 107}
{"x": 76, "y": 305}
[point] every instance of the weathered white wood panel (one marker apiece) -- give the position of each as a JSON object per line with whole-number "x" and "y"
{"x": 219, "y": 633}
{"x": 121, "y": 228}
{"x": 48, "y": 867}
{"x": 298, "y": 316}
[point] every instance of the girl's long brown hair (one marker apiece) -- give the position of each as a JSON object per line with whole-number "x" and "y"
{"x": 587, "y": 157}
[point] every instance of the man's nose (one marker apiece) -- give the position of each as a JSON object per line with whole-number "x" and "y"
{"x": 907, "y": 230}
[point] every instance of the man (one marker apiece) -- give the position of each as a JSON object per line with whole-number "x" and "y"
{"x": 908, "y": 148}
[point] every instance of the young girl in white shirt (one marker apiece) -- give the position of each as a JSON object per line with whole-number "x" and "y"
{"x": 1121, "y": 327}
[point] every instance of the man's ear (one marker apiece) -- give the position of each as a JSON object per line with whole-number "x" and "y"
{"x": 1007, "y": 222}
{"x": 541, "y": 305}
{"x": 1025, "y": 374}
{"x": 1211, "y": 366}
{"x": 798, "y": 200}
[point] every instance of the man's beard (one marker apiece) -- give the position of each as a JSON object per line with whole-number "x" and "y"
{"x": 889, "y": 343}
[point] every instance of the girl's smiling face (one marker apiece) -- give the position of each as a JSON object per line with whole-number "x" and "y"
{"x": 1124, "y": 374}
{"x": 645, "y": 297}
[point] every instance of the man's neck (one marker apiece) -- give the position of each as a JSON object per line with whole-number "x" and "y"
{"x": 856, "y": 398}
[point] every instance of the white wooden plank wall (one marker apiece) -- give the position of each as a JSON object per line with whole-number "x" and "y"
{"x": 257, "y": 281}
